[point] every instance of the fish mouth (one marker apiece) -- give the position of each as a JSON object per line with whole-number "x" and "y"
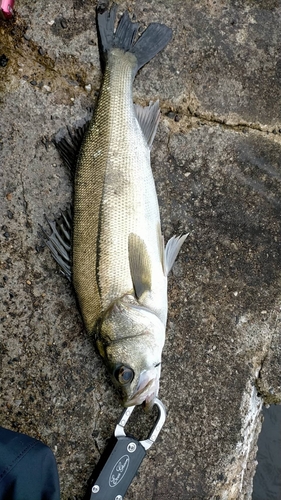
{"x": 146, "y": 392}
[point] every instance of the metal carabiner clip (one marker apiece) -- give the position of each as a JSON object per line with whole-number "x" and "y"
{"x": 121, "y": 460}
{"x": 119, "y": 429}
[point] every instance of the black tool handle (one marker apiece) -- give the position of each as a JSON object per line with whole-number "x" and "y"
{"x": 116, "y": 469}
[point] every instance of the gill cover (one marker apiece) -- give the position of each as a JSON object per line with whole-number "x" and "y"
{"x": 131, "y": 339}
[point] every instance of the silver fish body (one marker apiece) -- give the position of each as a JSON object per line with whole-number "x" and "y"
{"x": 119, "y": 263}
{"x": 115, "y": 204}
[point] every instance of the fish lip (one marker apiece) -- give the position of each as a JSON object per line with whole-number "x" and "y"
{"x": 146, "y": 393}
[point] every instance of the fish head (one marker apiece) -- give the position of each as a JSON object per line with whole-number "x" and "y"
{"x": 131, "y": 339}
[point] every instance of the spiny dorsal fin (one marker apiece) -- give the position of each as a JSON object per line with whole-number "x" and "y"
{"x": 59, "y": 241}
{"x": 171, "y": 251}
{"x": 148, "y": 118}
{"x": 140, "y": 266}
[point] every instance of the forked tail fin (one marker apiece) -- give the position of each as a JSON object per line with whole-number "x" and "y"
{"x": 151, "y": 41}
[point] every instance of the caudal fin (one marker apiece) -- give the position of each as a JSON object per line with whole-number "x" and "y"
{"x": 152, "y": 40}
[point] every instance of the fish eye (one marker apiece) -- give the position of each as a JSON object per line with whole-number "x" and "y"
{"x": 124, "y": 375}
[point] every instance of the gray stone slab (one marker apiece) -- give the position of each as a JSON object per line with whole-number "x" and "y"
{"x": 216, "y": 162}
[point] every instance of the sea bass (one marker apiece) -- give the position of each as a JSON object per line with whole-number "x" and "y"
{"x": 119, "y": 265}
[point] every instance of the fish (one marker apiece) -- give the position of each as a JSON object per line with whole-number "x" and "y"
{"x": 112, "y": 247}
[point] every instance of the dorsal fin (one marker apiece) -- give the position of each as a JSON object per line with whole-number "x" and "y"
{"x": 68, "y": 144}
{"x": 140, "y": 266}
{"x": 59, "y": 241}
{"x": 148, "y": 118}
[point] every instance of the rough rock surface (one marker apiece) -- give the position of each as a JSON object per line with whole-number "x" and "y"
{"x": 216, "y": 162}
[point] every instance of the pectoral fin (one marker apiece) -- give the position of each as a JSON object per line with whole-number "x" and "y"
{"x": 140, "y": 266}
{"x": 161, "y": 246}
{"x": 171, "y": 251}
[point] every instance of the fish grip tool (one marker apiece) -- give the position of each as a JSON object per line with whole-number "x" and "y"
{"x": 122, "y": 458}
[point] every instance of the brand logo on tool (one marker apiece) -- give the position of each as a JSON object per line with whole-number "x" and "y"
{"x": 119, "y": 470}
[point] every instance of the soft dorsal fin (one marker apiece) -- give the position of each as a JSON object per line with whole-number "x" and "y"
{"x": 171, "y": 251}
{"x": 140, "y": 266}
{"x": 148, "y": 118}
{"x": 68, "y": 144}
{"x": 59, "y": 241}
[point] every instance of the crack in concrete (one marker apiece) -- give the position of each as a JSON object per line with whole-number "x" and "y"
{"x": 25, "y": 202}
{"x": 208, "y": 118}
{"x": 188, "y": 109}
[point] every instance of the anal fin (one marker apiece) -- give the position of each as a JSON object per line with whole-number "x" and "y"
{"x": 148, "y": 118}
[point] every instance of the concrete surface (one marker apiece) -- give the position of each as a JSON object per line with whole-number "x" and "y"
{"x": 216, "y": 161}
